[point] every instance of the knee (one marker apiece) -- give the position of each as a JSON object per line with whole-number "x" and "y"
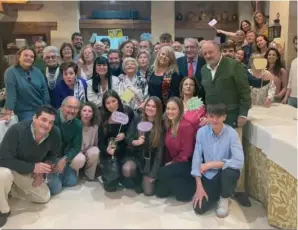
{"x": 6, "y": 175}
{"x": 55, "y": 184}
{"x": 93, "y": 155}
{"x": 78, "y": 162}
{"x": 70, "y": 178}
{"x": 128, "y": 169}
{"x": 44, "y": 196}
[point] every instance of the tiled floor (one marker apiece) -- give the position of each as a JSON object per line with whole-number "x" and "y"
{"x": 89, "y": 206}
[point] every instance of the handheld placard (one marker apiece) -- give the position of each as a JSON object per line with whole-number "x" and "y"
{"x": 260, "y": 63}
{"x": 120, "y": 118}
{"x": 144, "y": 126}
{"x": 194, "y": 103}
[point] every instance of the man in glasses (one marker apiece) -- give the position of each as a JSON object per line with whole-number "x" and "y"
{"x": 71, "y": 133}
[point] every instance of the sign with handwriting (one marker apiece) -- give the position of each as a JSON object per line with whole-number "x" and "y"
{"x": 120, "y": 118}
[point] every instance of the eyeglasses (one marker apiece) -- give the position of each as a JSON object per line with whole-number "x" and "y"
{"x": 50, "y": 57}
{"x": 72, "y": 107}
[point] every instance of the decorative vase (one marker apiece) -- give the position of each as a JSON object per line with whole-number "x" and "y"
{"x": 204, "y": 16}
{"x": 218, "y": 17}
{"x": 225, "y": 16}
{"x": 235, "y": 17}
{"x": 179, "y": 17}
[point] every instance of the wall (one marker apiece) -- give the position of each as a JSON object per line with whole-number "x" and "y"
{"x": 65, "y": 13}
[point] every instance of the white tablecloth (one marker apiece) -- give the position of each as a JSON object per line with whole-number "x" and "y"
{"x": 274, "y": 131}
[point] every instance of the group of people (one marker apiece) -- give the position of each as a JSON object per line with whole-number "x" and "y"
{"x": 65, "y": 100}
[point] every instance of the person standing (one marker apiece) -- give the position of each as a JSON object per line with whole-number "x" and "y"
{"x": 24, "y": 163}
{"x": 77, "y": 43}
{"x": 225, "y": 81}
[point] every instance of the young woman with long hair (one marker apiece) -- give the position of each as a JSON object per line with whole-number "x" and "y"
{"x": 146, "y": 149}
{"x": 174, "y": 177}
{"x": 111, "y": 139}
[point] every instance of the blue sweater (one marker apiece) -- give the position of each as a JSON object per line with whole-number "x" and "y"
{"x": 62, "y": 91}
{"x": 26, "y": 90}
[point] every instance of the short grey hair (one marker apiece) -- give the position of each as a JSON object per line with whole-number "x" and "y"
{"x": 211, "y": 42}
{"x": 144, "y": 52}
{"x": 192, "y": 40}
{"x": 65, "y": 100}
{"x": 129, "y": 59}
{"x": 51, "y": 49}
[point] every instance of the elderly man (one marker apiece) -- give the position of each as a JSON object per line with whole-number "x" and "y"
{"x": 26, "y": 154}
{"x": 71, "y": 132}
{"x": 52, "y": 72}
{"x": 39, "y": 46}
{"x": 225, "y": 81}
{"x": 191, "y": 64}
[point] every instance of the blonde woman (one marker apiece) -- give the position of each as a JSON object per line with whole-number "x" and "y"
{"x": 174, "y": 177}
{"x": 85, "y": 62}
{"x": 259, "y": 24}
{"x": 143, "y": 59}
{"x": 163, "y": 77}
{"x": 135, "y": 83}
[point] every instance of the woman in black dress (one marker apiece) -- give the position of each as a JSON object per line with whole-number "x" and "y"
{"x": 145, "y": 150}
{"x": 111, "y": 140}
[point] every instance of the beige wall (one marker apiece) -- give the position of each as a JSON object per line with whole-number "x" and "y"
{"x": 65, "y": 13}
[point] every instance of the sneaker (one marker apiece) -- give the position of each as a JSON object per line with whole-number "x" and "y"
{"x": 3, "y": 218}
{"x": 223, "y": 208}
{"x": 242, "y": 199}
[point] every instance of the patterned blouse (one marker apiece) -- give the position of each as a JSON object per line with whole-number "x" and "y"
{"x": 138, "y": 85}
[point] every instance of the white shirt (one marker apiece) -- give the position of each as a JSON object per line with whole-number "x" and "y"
{"x": 213, "y": 71}
{"x": 178, "y": 54}
{"x": 293, "y": 78}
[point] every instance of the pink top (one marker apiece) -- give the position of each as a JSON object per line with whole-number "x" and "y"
{"x": 194, "y": 116}
{"x": 181, "y": 147}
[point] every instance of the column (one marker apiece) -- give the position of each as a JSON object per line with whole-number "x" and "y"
{"x": 162, "y": 19}
{"x": 288, "y": 21}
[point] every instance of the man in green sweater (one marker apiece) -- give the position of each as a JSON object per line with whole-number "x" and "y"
{"x": 71, "y": 133}
{"x": 225, "y": 81}
{"x": 26, "y": 153}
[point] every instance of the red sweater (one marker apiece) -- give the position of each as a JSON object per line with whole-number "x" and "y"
{"x": 181, "y": 147}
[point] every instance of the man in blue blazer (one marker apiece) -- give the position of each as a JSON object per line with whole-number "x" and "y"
{"x": 190, "y": 65}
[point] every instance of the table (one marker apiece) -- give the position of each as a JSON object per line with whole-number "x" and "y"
{"x": 270, "y": 145}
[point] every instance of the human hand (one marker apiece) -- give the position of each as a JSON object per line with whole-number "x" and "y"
{"x": 38, "y": 180}
{"x": 40, "y": 168}
{"x": 149, "y": 179}
{"x": 203, "y": 121}
{"x": 284, "y": 101}
{"x": 198, "y": 197}
{"x": 203, "y": 168}
{"x": 111, "y": 151}
{"x": 267, "y": 103}
{"x": 59, "y": 167}
{"x": 139, "y": 142}
{"x": 241, "y": 121}
{"x": 120, "y": 137}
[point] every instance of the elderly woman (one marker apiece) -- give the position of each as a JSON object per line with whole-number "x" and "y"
{"x": 52, "y": 73}
{"x": 86, "y": 60}
{"x": 99, "y": 49}
{"x": 26, "y": 88}
{"x": 70, "y": 85}
{"x": 101, "y": 81}
{"x": 66, "y": 52}
{"x": 143, "y": 59}
{"x": 163, "y": 78}
{"x": 130, "y": 82}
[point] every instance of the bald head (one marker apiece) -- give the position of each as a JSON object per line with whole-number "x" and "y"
{"x": 211, "y": 52}
{"x": 240, "y": 36}
{"x": 70, "y": 108}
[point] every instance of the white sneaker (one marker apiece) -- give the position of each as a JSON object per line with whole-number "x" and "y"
{"x": 223, "y": 208}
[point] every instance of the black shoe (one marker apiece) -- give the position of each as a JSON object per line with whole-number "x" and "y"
{"x": 242, "y": 199}
{"x": 138, "y": 189}
{"x": 3, "y": 218}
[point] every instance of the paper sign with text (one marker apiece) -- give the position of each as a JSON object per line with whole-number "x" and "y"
{"x": 212, "y": 23}
{"x": 120, "y": 118}
{"x": 145, "y": 126}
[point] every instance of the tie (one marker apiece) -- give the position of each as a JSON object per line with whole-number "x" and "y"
{"x": 190, "y": 68}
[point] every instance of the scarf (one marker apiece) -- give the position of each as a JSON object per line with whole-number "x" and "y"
{"x": 79, "y": 90}
{"x": 52, "y": 78}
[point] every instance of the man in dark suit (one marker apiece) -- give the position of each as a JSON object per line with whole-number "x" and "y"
{"x": 225, "y": 81}
{"x": 191, "y": 64}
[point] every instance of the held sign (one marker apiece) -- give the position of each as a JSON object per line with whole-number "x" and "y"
{"x": 120, "y": 118}
{"x": 145, "y": 126}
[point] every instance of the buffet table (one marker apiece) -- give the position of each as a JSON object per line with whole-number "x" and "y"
{"x": 270, "y": 145}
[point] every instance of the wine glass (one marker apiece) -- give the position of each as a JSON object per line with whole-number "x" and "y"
{"x": 112, "y": 144}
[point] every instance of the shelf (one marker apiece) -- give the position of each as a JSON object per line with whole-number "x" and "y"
{"x": 114, "y": 24}
{"x": 204, "y": 25}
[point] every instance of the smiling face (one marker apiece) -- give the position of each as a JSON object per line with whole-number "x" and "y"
{"x": 43, "y": 123}
{"x": 216, "y": 121}
{"x": 150, "y": 108}
{"x": 70, "y": 109}
{"x": 130, "y": 68}
{"x": 245, "y": 26}
{"x": 240, "y": 55}
{"x": 127, "y": 49}
{"x": 172, "y": 111}
{"x": 145, "y": 45}
{"x": 99, "y": 48}
{"x": 163, "y": 58}
{"x": 67, "y": 52}
{"x": 39, "y": 47}
{"x": 26, "y": 59}
{"x": 272, "y": 57}
{"x": 69, "y": 77}
{"x": 240, "y": 36}
{"x": 114, "y": 60}
{"x": 259, "y": 18}
{"x": 191, "y": 49}
{"x": 50, "y": 59}
{"x": 78, "y": 42}
{"x": 261, "y": 42}
{"x": 88, "y": 55}
{"x": 228, "y": 52}
{"x": 211, "y": 53}
{"x": 86, "y": 114}
{"x": 111, "y": 104}
{"x": 250, "y": 37}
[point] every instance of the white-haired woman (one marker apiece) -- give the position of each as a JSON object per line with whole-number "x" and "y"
{"x": 163, "y": 78}
{"x": 85, "y": 62}
{"x": 143, "y": 59}
{"x": 52, "y": 72}
{"x": 131, "y": 82}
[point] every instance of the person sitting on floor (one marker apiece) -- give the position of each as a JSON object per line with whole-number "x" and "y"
{"x": 26, "y": 153}
{"x": 89, "y": 155}
{"x": 64, "y": 171}
{"x": 217, "y": 161}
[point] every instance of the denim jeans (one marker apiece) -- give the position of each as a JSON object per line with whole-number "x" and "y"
{"x": 68, "y": 178}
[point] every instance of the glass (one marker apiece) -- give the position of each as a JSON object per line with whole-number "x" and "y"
{"x": 50, "y": 57}
{"x": 112, "y": 144}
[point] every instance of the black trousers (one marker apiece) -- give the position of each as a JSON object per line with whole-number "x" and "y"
{"x": 222, "y": 185}
{"x": 175, "y": 179}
